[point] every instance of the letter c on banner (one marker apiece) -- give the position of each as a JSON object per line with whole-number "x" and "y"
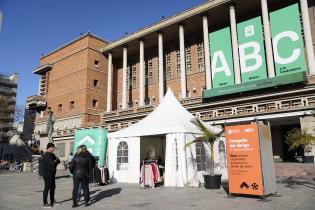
{"x": 296, "y": 52}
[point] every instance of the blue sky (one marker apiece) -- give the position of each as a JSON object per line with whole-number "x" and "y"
{"x": 31, "y": 28}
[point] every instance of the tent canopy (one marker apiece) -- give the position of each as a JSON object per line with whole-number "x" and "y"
{"x": 169, "y": 117}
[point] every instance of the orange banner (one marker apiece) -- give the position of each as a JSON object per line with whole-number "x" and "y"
{"x": 243, "y": 155}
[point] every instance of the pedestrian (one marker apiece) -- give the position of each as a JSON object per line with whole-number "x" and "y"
{"x": 91, "y": 174}
{"x": 50, "y": 162}
{"x": 80, "y": 167}
{"x": 40, "y": 164}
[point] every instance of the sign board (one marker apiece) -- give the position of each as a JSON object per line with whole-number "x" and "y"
{"x": 251, "y": 50}
{"x": 250, "y": 159}
{"x": 221, "y": 58}
{"x": 95, "y": 139}
{"x": 287, "y": 40}
{"x": 288, "y": 50}
{"x": 244, "y": 168}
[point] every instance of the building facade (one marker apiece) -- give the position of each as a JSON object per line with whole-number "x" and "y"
{"x": 228, "y": 62}
{"x": 72, "y": 84}
{"x": 8, "y": 88}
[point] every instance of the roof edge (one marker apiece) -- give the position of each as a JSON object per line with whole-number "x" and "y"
{"x": 164, "y": 23}
{"x": 73, "y": 41}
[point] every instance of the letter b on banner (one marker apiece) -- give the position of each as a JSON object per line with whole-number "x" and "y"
{"x": 251, "y": 49}
{"x": 288, "y": 47}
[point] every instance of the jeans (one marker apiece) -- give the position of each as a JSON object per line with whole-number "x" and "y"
{"x": 50, "y": 185}
{"x": 85, "y": 186}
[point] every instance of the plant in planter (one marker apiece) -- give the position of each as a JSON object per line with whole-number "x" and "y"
{"x": 296, "y": 138}
{"x": 212, "y": 181}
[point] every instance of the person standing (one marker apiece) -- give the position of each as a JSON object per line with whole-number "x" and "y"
{"x": 50, "y": 162}
{"x": 80, "y": 167}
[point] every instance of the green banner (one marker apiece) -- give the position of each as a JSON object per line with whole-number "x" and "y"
{"x": 297, "y": 78}
{"x": 288, "y": 48}
{"x": 251, "y": 50}
{"x": 95, "y": 139}
{"x": 221, "y": 58}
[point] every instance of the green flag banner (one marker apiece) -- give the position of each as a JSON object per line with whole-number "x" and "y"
{"x": 288, "y": 47}
{"x": 221, "y": 58}
{"x": 251, "y": 50}
{"x": 95, "y": 139}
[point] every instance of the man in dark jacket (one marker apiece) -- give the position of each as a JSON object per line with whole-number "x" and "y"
{"x": 50, "y": 162}
{"x": 80, "y": 167}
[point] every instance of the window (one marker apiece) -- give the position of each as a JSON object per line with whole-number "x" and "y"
{"x": 60, "y": 149}
{"x": 168, "y": 66}
{"x": 96, "y": 63}
{"x": 128, "y": 79}
{"x": 122, "y": 156}
{"x": 134, "y": 76}
{"x": 95, "y": 103}
{"x": 59, "y": 107}
{"x": 148, "y": 69}
{"x": 188, "y": 60}
{"x": 95, "y": 83}
{"x": 177, "y": 63}
{"x": 200, "y": 157}
{"x": 71, "y": 104}
{"x": 200, "y": 57}
{"x": 175, "y": 155}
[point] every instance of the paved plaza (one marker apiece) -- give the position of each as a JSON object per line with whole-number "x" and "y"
{"x": 24, "y": 191}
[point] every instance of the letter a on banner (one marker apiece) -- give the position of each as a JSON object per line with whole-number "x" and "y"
{"x": 251, "y": 49}
{"x": 288, "y": 47}
{"x": 221, "y": 58}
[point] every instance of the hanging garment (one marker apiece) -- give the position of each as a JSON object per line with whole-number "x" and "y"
{"x": 147, "y": 177}
{"x": 156, "y": 173}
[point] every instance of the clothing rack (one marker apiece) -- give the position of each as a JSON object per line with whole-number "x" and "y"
{"x": 147, "y": 162}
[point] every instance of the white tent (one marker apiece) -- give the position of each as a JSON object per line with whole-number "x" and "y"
{"x": 171, "y": 119}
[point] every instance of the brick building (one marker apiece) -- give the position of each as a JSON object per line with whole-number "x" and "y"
{"x": 72, "y": 84}
{"x": 185, "y": 53}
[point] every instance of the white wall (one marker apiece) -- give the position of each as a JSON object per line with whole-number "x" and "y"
{"x": 132, "y": 174}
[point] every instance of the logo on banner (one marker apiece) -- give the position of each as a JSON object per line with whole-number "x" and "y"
{"x": 249, "y": 31}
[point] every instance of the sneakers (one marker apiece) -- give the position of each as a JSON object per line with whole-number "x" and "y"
{"x": 87, "y": 204}
{"x": 74, "y": 205}
{"x": 47, "y": 206}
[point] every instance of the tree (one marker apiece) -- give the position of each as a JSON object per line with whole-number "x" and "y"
{"x": 208, "y": 137}
{"x": 19, "y": 113}
{"x": 296, "y": 138}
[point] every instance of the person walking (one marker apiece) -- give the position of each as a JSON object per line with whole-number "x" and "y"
{"x": 80, "y": 167}
{"x": 50, "y": 162}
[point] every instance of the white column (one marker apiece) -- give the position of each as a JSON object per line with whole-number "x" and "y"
{"x": 207, "y": 52}
{"x": 237, "y": 72}
{"x": 266, "y": 23}
{"x": 124, "y": 81}
{"x": 182, "y": 62}
{"x": 161, "y": 72}
{"x": 141, "y": 96}
{"x": 308, "y": 37}
{"x": 109, "y": 83}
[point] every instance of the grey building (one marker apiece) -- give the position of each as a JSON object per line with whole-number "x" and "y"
{"x": 8, "y": 88}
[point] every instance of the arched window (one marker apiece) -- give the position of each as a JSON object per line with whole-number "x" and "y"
{"x": 200, "y": 156}
{"x": 122, "y": 156}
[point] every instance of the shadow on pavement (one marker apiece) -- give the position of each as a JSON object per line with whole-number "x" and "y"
{"x": 294, "y": 183}
{"x": 104, "y": 194}
{"x": 70, "y": 199}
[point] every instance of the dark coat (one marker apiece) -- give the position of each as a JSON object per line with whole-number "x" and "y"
{"x": 50, "y": 162}
{"x": 81, "y": 166}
